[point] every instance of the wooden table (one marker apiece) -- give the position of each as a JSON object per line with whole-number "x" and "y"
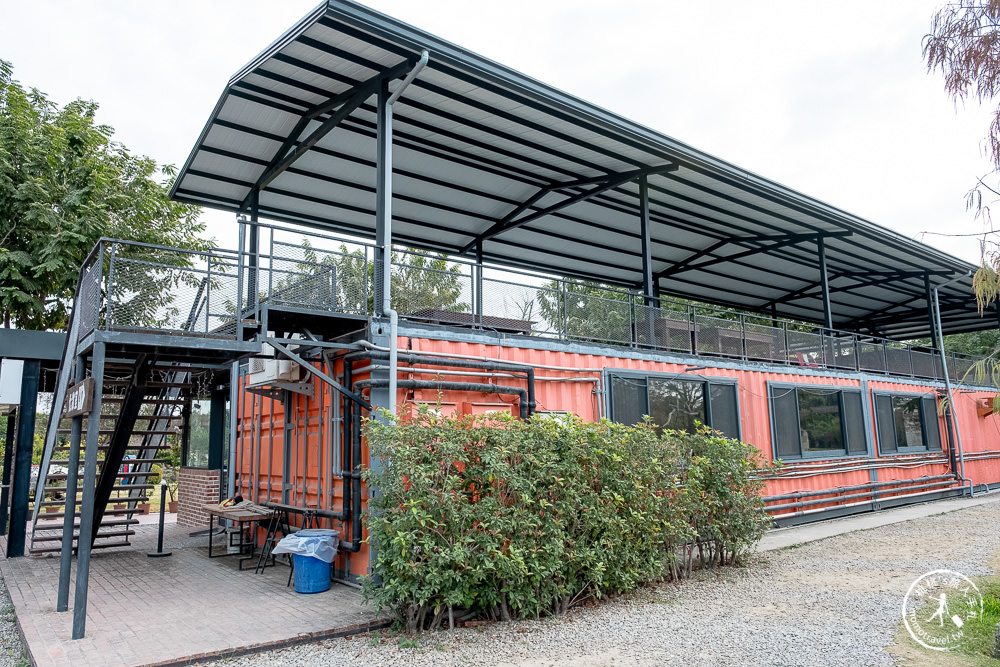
{"x": 239, "y": 517}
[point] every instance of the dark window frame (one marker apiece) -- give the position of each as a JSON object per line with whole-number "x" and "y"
{"x": 705, "y": 380}
{"x": 845, "y": 453}
{"x": 924, "y": 433}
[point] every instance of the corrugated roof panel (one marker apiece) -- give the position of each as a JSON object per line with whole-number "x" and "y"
{"x": 473, "y": 140}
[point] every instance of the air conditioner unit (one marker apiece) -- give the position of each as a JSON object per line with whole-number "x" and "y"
{"x": 264, "y": 371}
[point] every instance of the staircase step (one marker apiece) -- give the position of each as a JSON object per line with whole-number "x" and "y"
{"x": 107, "y": 512}
{"x": 63, "y": 477}
{"x": 57, "y": 525}
{"x": 148, "y": 401}
{"x": 97, "y": 545}
{"x": 65, "y": 462}
{"x": 104, "y": 448}
{"x": 117, "y": 487}
{"x": 109, "y": 431}
{"x": 58, "y": 538}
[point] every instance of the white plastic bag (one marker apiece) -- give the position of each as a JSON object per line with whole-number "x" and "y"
{"x": 309, "y": 543}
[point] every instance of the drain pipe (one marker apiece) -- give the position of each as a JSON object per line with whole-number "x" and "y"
{"x": 944, "y": 367}
{"x": 414, "y": 359}
{"x": 387, "y": 257}
{"x": 522, "y": 394}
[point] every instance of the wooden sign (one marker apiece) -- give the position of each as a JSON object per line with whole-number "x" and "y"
{"x": 79, "y": 398}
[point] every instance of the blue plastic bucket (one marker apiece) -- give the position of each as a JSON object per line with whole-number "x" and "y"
{"x": 312, "y": 575}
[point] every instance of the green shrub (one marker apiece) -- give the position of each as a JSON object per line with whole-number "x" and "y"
{"x": 514, "y": 519}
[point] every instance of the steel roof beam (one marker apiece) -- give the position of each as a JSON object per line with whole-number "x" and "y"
{"x": 339, "y": 107}
{"x": 775, "y": 242}
{"x": 603, "y": 184}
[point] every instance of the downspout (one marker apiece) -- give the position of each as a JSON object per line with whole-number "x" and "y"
{"x": 944, "y": 367}
{"x": 387, "y": 252}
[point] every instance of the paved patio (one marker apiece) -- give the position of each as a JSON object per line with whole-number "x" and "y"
{"x": 173, "y": 610}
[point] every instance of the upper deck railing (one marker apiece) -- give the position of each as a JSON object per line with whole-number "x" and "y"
{"x": 134, "y": 286}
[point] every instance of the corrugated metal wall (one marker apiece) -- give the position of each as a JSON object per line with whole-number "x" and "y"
{"x": 574, "y": 382}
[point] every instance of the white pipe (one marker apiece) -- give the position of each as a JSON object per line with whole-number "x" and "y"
{"x": 490, "y": 374}
{"x": 387, "y": 252}
{"x": 944, "y": 366}
{"x": 371, "y": 346}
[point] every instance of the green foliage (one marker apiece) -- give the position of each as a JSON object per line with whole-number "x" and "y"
{"x": 589, "y": 311}
{"x": 419, "y": 282}
{"x": 64, "y": 183}
{"x": 515, "y": 519}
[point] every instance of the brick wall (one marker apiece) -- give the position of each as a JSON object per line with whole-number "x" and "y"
{"x": 195, "y": 488}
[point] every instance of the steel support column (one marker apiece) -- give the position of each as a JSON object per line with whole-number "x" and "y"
{"x": 824, "y": 281}
{"x": 254, "y": 251}
{"x": 87, "y": 501}
{"x": 647, "y": 249}
{"x": 383, "y": 195}
{"x": 8, "y": 460}
{"x": 69, "y": 509}
{"x": 234, "y": 406}
{"x": 20, "y": 488}
{"x": 477, "y": 291}
{"x": 216, "y": 429}
{"x": 935, "y": 343}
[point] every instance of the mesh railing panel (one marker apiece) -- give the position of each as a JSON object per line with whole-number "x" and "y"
{"x": 89, "y": 300}
{"x": 871, "y": 356}
{"x": 596, "y": 316}
{"x": 805, "y": 348}
{"x": 925, "y": 364}
{"x": 302, "y": 276}
{"x": 432, "y": 294}
{"x": 841, "y": 352}
{"x": 963, "y": 369}
{"x": 663, "y": 328}
{"x": 765, "y": 342}
{"x": 897, "y": 358}
{"x": 518, "y": 308}
{"x": 170, "y": 290}
{"x": 717, "y": 335}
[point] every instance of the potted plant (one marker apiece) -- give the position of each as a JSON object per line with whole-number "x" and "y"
{"x": 171, "y": 474}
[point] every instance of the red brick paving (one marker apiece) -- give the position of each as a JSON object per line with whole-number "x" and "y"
{"x": 167, "y": 610}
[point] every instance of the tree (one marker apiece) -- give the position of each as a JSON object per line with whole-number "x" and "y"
{"x": 65, "y": 183}
{"x": 419, "y": 282}
{"x": 964, "y": 45}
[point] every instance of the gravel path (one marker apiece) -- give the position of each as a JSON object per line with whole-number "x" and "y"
{"x": 832, "y": 602}
{"x": 12, "y": 650}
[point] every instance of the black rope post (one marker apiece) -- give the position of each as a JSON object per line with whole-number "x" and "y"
{"x": 160, "y": 553}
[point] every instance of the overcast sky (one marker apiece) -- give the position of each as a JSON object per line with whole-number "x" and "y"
{"x": 831, "y": 98}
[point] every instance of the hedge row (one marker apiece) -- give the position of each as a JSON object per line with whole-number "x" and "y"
{"x": 513, "y": 519}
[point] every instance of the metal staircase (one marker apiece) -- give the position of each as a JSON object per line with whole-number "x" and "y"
{"x": 142, "y": 403}
{"x": 138, "y": 413}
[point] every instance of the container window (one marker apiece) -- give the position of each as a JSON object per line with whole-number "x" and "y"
{"x": 676, "y": 403}
{"x": 817, "y": 422}
{"x": 907, "y": 423}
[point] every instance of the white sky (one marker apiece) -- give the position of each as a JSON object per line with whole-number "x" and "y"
{"x": 830, "y": 98}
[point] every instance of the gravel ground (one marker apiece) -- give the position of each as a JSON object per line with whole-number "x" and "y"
{"x": 11, "y": 647}
{"x": 832, "y": 602}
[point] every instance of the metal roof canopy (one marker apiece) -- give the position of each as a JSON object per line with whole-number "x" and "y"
{"x": 484, "y": 156}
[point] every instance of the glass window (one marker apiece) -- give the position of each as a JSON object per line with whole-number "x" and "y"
{"x": 906, "y": 415}
{"x": 817, "y": 421}
{"x": 676, "y": 403}
{"x": 197, "y": 453}
{"x": 907, "y": 422}
{"x": 628, "y": 399}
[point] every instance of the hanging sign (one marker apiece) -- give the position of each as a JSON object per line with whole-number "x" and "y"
{"x": 79, "y": 398}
